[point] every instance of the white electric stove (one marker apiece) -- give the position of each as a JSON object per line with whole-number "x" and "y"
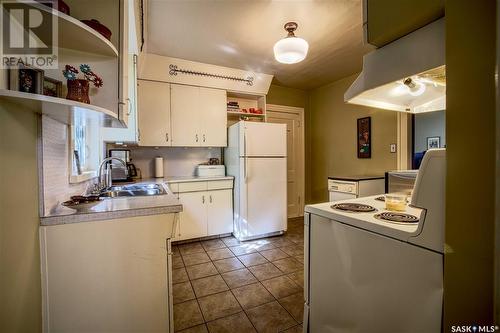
{"x": 367, "y": 274}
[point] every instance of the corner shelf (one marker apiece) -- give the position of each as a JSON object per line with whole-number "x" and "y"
{"x": 60, "y": 109}
{"x": 246, "y": 114}
{"x": 76, "y": 35}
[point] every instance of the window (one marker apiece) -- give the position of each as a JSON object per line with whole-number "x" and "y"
{"x": 84, "y": 148}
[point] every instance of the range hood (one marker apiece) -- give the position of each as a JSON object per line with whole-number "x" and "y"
{"x": 407, "y": 75}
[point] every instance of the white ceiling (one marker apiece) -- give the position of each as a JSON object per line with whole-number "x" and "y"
{"x": 241, "y": 34}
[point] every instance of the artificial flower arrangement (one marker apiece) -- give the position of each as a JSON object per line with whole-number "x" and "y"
{"x": 78, "y": 89}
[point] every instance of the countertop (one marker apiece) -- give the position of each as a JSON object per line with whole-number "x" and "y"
{"x": 186, "y": 179}
{"x": 358, "y": 178}
{"x": 116, "y": 208}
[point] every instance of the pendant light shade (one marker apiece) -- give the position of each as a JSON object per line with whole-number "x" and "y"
{"x": 291, "y": 49}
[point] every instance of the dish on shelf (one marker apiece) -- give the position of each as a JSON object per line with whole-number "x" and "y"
{"x": 82, "y": 203}
{"x": 61, "y": 6}
{"x": 99, "y": 27}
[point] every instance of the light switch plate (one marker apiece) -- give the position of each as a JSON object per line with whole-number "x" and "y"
{"x": 393, "y": 147}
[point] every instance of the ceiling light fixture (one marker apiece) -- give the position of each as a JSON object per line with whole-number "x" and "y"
{"x": 415, "y": 88}
{"x": 291, "y": 49}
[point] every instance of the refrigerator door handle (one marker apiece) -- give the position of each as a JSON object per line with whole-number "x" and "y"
{"x": 246, "y": 157}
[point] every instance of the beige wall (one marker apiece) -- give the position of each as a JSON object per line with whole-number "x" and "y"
{"x": 470, "y": 135}
{"x": 20, "y": 290}
{"x": 333, "y": 137}
{"x": 389, "y": 20}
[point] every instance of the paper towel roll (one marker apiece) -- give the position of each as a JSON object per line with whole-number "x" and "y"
{"x": 159, "y": 167}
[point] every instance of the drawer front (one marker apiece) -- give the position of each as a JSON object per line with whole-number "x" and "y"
{"x": 220, "y": 184}
{"x": 174, "y": 187}
{"x": 192, "y": 187}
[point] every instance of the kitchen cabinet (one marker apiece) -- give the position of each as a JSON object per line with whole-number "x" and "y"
{"x": 220, "y": 212}
{"x": 193, "y": 219}
{"x": 207, "y": 208}
{"x": 213, "y": 117}
{"x": 154, "y": 113}
{"x": 185, "y": 119}
{"x": 199, "y": 116}
{"x": 120, "y": 268}
{"x": 181, "y": 116}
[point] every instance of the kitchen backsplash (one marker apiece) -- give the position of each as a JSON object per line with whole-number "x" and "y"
{"x": 177, "y": 161}
{"x": 55, "y": 164}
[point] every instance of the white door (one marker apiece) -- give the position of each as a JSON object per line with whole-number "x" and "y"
{"x": 213, "y": 117}
{"x": 154, "y": 113}
{"x": 264, "y": 139}
{"x": 193, "y": 219}
{"x": 292, "y": 118}
{"x": 220, "y": 212}
{"x": 265, "y": 195}
{"x": 185, "y": 116}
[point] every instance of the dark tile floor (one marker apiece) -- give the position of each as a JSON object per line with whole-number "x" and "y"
{"x": 223, "y": 285}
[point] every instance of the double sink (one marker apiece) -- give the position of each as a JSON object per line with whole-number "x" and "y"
{"x": 132, "y": 190}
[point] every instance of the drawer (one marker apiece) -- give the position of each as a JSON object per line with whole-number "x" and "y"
{"x": 220, "y": 184}
{"x": 174, "y": 187}
{"x": 192, "y": 187}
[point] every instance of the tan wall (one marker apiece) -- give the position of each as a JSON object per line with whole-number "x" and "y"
{"x": 389, "y": 20}
{"x": 333, "y": 137}
{"x": 470, "y": 135}
{"x": 20, "y": 290}
{"x": 299, "y": 98}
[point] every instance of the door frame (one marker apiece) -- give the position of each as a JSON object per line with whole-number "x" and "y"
{"x": 274, "y": 108}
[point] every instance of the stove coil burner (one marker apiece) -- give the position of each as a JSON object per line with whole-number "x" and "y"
{"x": 397, "y": 217}
{"x": 382, "y": 198}
{"x": 354, "y": 207}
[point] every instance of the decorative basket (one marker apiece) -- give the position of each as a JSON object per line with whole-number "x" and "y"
{"x": 78, "y": 90}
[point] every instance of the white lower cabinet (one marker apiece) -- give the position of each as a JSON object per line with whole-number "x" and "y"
{"x": 194, "y": 215}
{"x": 108, "y": 276}
{"x": 220, "y": 212}
{"x": 207, "y": 209}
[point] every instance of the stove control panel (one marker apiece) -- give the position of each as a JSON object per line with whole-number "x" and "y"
{"x": 342, "y": 186}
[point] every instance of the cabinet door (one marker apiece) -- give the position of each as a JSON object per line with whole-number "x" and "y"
{"x": 185, "y": 116}
{"x": 193, "y": 219}
{"x": 213, "y": 117}
{"x": 154, "y": 113}
{"x": 124, "y": 58}
{"x": 220, "y": 212}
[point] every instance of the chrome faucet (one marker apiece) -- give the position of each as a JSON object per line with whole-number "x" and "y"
{"x": 107, "y": 182}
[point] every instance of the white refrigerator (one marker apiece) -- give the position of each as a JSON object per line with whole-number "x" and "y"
{"x": 256, "y": 158}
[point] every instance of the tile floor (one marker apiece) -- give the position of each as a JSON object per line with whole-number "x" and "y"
{"x": 223, "y": 285}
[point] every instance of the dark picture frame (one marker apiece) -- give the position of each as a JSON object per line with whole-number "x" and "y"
{"x": 52, "y": 87}
{"x": 433, "y": 142}
{"x": 26, "y": 79}
{"x": 364, "y": 137}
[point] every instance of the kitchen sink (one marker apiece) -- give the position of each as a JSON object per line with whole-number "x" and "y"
{"x": 133, "y": 190}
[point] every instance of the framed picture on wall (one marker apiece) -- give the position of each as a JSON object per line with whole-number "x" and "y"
{"x": 364, "y": 138}
{"x": 433, "y": 142}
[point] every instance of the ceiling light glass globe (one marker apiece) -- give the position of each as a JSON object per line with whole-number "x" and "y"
{"x": 290, "y": 50}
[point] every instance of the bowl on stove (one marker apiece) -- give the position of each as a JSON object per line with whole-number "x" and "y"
{"x": 395, "y": 202}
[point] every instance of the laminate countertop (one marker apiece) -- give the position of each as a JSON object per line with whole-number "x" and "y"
{"x": 116, "y": 208}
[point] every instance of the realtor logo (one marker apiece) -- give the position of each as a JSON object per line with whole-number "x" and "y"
{"x": 29, "y": 34}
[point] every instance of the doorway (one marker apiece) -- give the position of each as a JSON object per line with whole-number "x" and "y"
{"x": 293, "y": 117}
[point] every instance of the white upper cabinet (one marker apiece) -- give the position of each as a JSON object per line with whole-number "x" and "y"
{"x": 185, "y": 116}
{"x": 198, "y": 116}
{"x": 213, "y": 117}
{"x": 154, "y": 113}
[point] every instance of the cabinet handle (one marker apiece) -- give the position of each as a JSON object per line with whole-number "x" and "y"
{"x": 129, "y": 112}
{"x": 196, "y": 136}
{"x": 210, "y": 198}
{"x": 203, "y": 199}
{"x": 204, "y": 138}
{"x": 166, "y": 136}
